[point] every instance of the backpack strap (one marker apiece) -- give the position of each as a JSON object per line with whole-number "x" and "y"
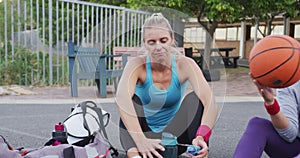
{"x": 83, "y": 108}
{"x": 8, "y": 145}
{"x": 100, "y": 116}
{"x": 84, "y": 105}
{"x": 93, "y": 106}
{"x": 101, "y": 124}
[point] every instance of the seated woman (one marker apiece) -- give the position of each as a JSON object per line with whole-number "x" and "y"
{"x": 150, "y": 96}
{"x": 279, "y": 137}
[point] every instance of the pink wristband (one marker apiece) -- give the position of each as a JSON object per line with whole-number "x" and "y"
{"x": 272, "y": 109}
{"x": 204, "y": 131}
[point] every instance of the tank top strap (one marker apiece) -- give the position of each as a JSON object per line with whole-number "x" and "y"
{"x": 173, "y": 62}
{"x": 148, "y": 70}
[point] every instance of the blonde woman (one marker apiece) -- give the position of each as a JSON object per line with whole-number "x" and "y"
{"x": 150, "y": 96}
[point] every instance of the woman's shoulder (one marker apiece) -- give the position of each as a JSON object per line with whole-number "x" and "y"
{"x": 135, "y": 62}
{"x": 137, "y": 59}
{"x": 182, "y": 60}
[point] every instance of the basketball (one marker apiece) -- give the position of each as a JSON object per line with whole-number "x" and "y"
{"x": 274, "y": 61}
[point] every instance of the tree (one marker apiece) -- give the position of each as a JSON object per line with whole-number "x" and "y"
{"x": 209, "y": 13}
{"x": 265, "y": 11}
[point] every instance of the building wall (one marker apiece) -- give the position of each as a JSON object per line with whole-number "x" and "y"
{"x": 229, "y": 36}
{"x": 248, "y": 46}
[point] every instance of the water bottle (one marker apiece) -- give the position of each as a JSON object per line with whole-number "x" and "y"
{"x": 169, "y": 141}
{"x": 59, "y": 134}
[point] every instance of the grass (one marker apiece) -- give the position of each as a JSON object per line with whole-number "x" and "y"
{"x": 239, "y": 69}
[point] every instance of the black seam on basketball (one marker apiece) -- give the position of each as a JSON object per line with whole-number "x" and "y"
{"x": 275, "y": 67}
{"x": 293, "y": 48}
{"x": 275, "y": 36}
{"x": 294, "y": 71}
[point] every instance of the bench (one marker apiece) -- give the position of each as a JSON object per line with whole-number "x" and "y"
{"x": 230, "y": 61}
{"x": 90, "y": 64}
{"x": 218, "y": 59}
{"x": 227, "y": 62}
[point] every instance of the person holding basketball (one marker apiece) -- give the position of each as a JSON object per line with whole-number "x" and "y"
{"x": 150, "y": 96}
{"x": 279, "y": 137}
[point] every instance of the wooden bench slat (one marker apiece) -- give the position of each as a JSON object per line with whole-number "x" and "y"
{"x": 87, "y": 64}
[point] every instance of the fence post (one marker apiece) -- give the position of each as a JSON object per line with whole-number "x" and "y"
{"x": 50, "y": 43}
{"x": 72, "y": 69}
{"x": 5, "y": 33}
{"x": 103, "y": 75}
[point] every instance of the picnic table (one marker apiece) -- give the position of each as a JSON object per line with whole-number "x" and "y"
{"x": 228, "y": 60}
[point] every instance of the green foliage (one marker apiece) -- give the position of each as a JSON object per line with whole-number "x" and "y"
{"x": 268, "y": 8}
{"x": 222, "y": 11}
{"x": 136, "y": 4}
{"x": 18, "y": 67}
{"x": 26, "y": 68}
{"x": 109, "y": 2}
{"x": 62, "y": 11}
{"x": 8, "y": 20}
{"x": 226, "y": 11}
{"x": 216, "y": 11}
{"x": 265, "y": 11}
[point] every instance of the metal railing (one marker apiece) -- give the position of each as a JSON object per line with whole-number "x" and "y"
{"x": 43, "y": 28}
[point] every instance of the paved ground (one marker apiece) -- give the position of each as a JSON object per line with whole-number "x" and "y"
{"x": 30, "y": 125}
{"x": 233, "y": 82}
{"x": 27, "y": 120}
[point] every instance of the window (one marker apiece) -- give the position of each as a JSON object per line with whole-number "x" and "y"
{"x": 220, "y": 34}
{"x": 229, "y": 34}
{"x": 259, "y": 35}
{"x": 278, "y": 29}
{"x": 194, "y": 34}
{"x": 297, "y": 31}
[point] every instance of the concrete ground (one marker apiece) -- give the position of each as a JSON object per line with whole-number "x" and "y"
{"x": 30, "y": 125}
{"x": 28, "y": 120}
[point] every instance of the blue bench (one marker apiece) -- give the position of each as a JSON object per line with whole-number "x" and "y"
{"x": 88, "y": 63}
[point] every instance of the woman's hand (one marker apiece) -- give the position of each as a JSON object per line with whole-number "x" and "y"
{"x": 266, "y": 92}
{"x": 147, "y": 147}
{"x": 199, "y": 141}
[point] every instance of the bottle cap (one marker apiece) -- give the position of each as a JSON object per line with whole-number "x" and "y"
{"x": 59, "y": 127}
{"x": 168, "y": 139}
{"x": 193, "y": 149}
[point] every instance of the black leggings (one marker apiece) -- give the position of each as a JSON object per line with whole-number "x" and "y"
{"x": 184, "y": 125}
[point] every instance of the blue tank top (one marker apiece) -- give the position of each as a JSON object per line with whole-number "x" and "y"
{"x": 160, "y": 106}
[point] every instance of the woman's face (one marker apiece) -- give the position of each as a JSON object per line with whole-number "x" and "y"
{"x": 158, "y": 42}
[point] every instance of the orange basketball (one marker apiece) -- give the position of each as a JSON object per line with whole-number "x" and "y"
{"x": 275, "y": 61}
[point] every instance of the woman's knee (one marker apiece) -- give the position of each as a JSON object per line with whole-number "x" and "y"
{"x": 257, "y": 124}
{"x": 257, "y": 121}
